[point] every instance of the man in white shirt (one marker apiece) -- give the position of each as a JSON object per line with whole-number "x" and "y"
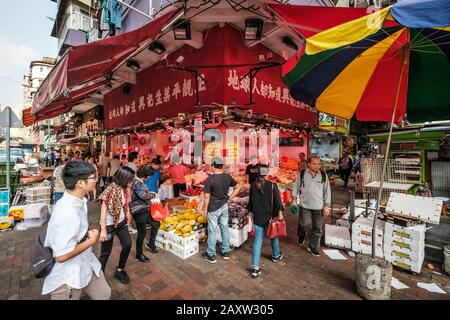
{"x": 76, "y": 268}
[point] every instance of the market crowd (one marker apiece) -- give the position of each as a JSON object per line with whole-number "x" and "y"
{"x": 128, "y": 188}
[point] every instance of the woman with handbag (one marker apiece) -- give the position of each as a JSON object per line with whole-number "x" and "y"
{"x": 141, "y": 198}
{"x": 264, "y": 203}
{"x": 114, "y": 220}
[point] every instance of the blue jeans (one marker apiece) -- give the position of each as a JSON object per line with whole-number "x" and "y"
{"x": 58, "y": 195}
{"x": 257, "y": 245}
{"x": 218, "y": 217}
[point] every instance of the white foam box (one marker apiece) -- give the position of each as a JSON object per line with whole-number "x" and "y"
{"x": 181, "y": 241}
{"x": 403, "y": 246}
{"x": 413, "y": 234}
{"x": 35, "y": 215}
{"x": 367, "y": 236}
{"x": 38, "y": 191}
{"x": 406, "y": 264}
{"x": 337, "y": 236}
{"x": 237, "y": 236}
{"x": 367, "y": 249}
{"x": 366, "y": 224}
{"x": 414, "y": 256}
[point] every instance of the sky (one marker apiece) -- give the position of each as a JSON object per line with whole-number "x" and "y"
{"x": 24, "y": 37}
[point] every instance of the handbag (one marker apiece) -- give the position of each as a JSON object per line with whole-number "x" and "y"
{"x": 158, "y": 212}
{"x": 251, "y": 226}
{"x": 276, "y": 228}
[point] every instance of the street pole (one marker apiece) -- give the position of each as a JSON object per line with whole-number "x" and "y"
{"x": 8, "y": 146}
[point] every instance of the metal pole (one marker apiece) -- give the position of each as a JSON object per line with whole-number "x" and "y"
{"x": 8, "y": 146}
{"x": 404, "y": 62}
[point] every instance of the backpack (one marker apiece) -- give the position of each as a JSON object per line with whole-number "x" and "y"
{"x": 42, "y": 257}
{"x": 302, "y": 176}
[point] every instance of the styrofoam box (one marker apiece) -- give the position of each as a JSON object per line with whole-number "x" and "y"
{"x": 35, "y": 215}
{"x": 38, "y": 197}
{"x": 363, "y": 223}
{"x": 237, "y": 237}
{"x": 410, "y": 252}
{"x": 362, "y": 248}
{"x": 33, "y": 202}
{"x": 390, "y": 237}
{"x": 396, "y": 253}
{"x": 31, "y": 192}
{"x": 367, "y": 234}
{"x": 404, "y": 246}
{"x": 414, "y": 232}
{"x": 361, "y": 238}
{"x": 181, "y": 241}
{"x": 406, "y": 263}
{"x": 337, "y": 236}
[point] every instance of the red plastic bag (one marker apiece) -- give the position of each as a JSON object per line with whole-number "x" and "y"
{"x": 276, "y": 228}
{"x": 158, "y": 212}
{"x": 251, "y": 226}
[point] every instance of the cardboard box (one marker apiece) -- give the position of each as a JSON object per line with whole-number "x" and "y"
{"x": 181, "y": 241}
{"x": 182, "y": 252}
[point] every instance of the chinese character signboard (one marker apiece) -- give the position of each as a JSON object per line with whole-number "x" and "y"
{"x": 163, "y": 93}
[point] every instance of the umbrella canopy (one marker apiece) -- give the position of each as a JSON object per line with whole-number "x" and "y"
{"x": 369, "y": 69}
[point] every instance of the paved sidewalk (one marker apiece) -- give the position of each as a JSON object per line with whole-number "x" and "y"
{"x": 299, "y": 276}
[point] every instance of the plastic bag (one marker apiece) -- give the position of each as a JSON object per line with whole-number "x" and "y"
{"x": 158, "y": 212}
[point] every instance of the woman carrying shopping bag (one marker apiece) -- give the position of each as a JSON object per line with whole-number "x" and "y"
{"x": 264, "y": 203}
{"x": 114, "y": 220}
{"x": 141, "y": 198}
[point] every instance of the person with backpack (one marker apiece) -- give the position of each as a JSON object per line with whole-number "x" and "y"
{"x": 75, "y": 268}
{"x": 313, "y": 189}
{"x": 115, "y": 219}
{"x": 264, "y": 203}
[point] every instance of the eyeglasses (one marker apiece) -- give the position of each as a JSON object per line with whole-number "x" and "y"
{"x": 89, "y": 178}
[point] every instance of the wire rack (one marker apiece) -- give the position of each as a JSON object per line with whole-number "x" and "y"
{"x": 400, "y": 176}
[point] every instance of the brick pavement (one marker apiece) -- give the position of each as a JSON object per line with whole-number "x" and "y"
{"x": 298, "y": 276}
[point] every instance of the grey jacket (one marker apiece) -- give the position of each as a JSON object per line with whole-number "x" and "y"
{"x": 314, "y": 194}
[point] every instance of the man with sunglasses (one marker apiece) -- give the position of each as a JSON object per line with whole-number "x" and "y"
{"x": 76, "y": 268}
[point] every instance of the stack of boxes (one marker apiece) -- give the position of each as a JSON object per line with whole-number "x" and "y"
{"x": 38, "y": 195}
{"x": 362, "y": 236}
{"x": 237, "y": 225}
{"x": 183, "y": 247}
{"x": 404, "y": 247}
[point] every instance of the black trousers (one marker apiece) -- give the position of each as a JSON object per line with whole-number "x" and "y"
{"x": 154, "y": 232}
{"x": 345, "y": 175}
{"x": 140, "y": 218}
{"x": 305, "y": 217}
{"x": 177, "y": 188}
{"x": 125, "y": 240}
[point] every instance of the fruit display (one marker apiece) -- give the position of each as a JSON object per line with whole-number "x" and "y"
{"x": 6, "y": 223}
{"x": 184, "y": 222}
{"x": 17, "y": 213}
{"x": 197, "y": 178}
{"x": 288, "y": 164}
{"x": 191, "y": 192}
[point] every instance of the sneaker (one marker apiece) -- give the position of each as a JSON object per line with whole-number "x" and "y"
{"x": 206, "y": 257}
{"x": 122, "y": 276}
{"x": 256, "y": 272}
{"x": 278, "y": 259}
{"x": 142, "y": 258}
{"x": 226, "y": 255}
{"x": 314, "y": 252}
{"x": 151, "y": 249}
{"x": 301, "y": 241}
{"x": 131, "y": 230}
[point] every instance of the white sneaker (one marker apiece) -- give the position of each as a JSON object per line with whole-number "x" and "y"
{"x": 131, "y": 230}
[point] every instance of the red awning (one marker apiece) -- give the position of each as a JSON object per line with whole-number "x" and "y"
{"x": 80, "y": 71}
{"x": 309, "y": 20}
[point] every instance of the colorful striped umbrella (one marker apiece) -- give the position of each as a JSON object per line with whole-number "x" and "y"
{"x": 367, "y": 69}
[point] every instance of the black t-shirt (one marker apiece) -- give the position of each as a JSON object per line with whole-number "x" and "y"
{"x": 218, "y": 186}
{"x": 253, "y": 172}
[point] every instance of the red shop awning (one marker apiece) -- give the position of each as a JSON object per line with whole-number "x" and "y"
{"x": 81, "y": 71}
{"x": 309, "y": 20}
{"x": 27, "y": 117}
